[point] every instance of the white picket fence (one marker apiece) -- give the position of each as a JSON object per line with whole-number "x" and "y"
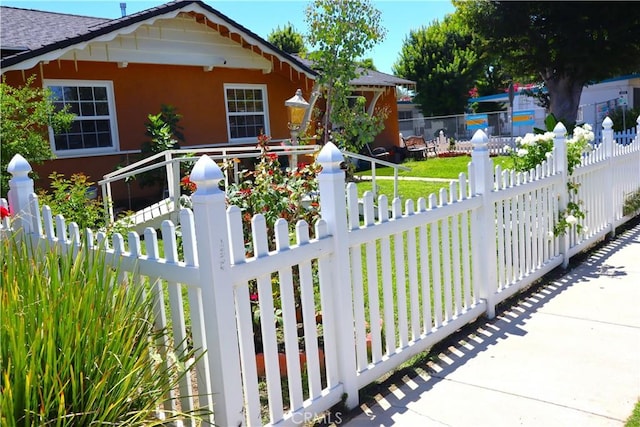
{"x": 626, "y": 136}
{"x": 501, "y": 145}
{"x": 362, "y": 296}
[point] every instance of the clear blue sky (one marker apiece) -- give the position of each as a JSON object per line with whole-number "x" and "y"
{"x": 261, "y": 17}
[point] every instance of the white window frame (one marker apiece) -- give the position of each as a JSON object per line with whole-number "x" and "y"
{"x": 265, "y": 111}
{"x": 113, "y": 124}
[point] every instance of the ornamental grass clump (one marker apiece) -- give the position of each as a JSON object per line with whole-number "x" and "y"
{"x": 78, "y": 347}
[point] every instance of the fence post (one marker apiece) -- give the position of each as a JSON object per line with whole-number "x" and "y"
{"x": 221, "y": 339}
{"x": 608, "y": 141}
{"x": 333, "y": 209}
{"x": 20, "y": 188}
{"x": 484, "y": 242}
{"x": 561, "y": 166}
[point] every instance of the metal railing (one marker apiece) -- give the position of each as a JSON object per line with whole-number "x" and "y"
{"x": 171, "y": 161}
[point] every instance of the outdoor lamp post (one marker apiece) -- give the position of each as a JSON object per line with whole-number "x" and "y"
{"x": 296, "y": 108}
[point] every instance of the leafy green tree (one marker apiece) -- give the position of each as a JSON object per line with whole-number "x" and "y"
{"x": 287, "y": 39}
{"x": 566, "y": 44}
{"x": 26, "y": 113}
{"x": 444, "y": 63}
{"x": 341, "y": 32}
{"x": 367, "y": 64}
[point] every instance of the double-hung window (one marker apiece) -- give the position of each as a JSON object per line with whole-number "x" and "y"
{"x": 247, "y": 109}
{"x": 94, "y": 129}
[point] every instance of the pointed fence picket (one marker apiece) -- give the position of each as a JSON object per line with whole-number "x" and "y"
{"x": 379, "y": 281}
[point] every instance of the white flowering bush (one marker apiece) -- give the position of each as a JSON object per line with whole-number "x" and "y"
{"x": 533, "y": 149}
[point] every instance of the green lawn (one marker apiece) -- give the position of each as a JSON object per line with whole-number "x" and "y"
{"x": 441, "y": 167}
{"x": 634, "y": 419}
{"x": 447, "y": 168}
{"x": 406, "y": 189}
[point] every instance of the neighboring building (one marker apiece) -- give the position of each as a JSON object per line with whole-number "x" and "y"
{"x": 227, "y": 82}
{"x": 410, "y": 118}
{"x": 595, "y": 101}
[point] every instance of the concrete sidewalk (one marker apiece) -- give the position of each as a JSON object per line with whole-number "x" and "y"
{"x": 567, "y": 354}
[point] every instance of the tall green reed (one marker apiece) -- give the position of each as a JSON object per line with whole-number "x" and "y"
{"x": 78, "y": 347}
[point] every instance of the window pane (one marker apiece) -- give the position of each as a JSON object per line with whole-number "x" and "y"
{"x": 70, "y": 93}
{"x": 61, "y": 142}
{"x": 75, "y": 141}
{"x": 76, "y": 127}
{"x": 56, "y": 92}
{"x": 86, "y": 93}
{"x": 102, "y": 108}
{"x": 104, "y": 140}
{"x": 87, "y": 109}
{"x": 90, "y": 140}
{"x": 100, "y": 93}
{"x": 102, "y": 125}
{"x": 88, "y": 126}
{"x": 74, "y": 108}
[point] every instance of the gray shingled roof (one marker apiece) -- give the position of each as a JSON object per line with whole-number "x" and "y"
{"x": 377, "y": 78}
{"x": 369, "y": 77}
{"x": 27, "y": 33}
{"x": 33, "y": 29}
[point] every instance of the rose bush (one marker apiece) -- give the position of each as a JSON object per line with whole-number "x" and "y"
{"x": 270, "y": 190}
{"x": 532, "y": 149}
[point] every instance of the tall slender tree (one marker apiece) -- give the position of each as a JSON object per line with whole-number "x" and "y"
{"x": 341, "y": 32}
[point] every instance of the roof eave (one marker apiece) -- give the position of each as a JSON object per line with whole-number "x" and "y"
{"x": 125, "y": 25}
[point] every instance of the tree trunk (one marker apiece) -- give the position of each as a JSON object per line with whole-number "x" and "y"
{"x": 564, "y": 97}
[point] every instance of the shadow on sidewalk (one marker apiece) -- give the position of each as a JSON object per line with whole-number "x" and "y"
{"x": 446, "y": 356}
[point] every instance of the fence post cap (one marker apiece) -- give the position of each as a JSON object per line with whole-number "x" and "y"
{"x": 607, "y": 123}
{"x": 560, "y": 130}
{"x": 19, "y": 167}
{"x": 330, "y": 158}
{"x": 479, "y": 140}
{"x": 206, "y": 175}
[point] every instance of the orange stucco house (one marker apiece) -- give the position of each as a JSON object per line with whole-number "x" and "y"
{"x": 227, "y": 82}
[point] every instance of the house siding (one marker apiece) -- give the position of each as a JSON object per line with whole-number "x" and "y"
{"x": 140, "y": 89}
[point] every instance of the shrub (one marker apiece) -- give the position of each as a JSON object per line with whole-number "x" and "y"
{"x": 531, "y": 150}
{"x": 631, "y": 203}
{"x": 624, "y": 118}
{"x": 78, "y": 347}
{"x": 269, "y": 190}
{"x": 26, "y": 113}
{"x": 68, "y": 197}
